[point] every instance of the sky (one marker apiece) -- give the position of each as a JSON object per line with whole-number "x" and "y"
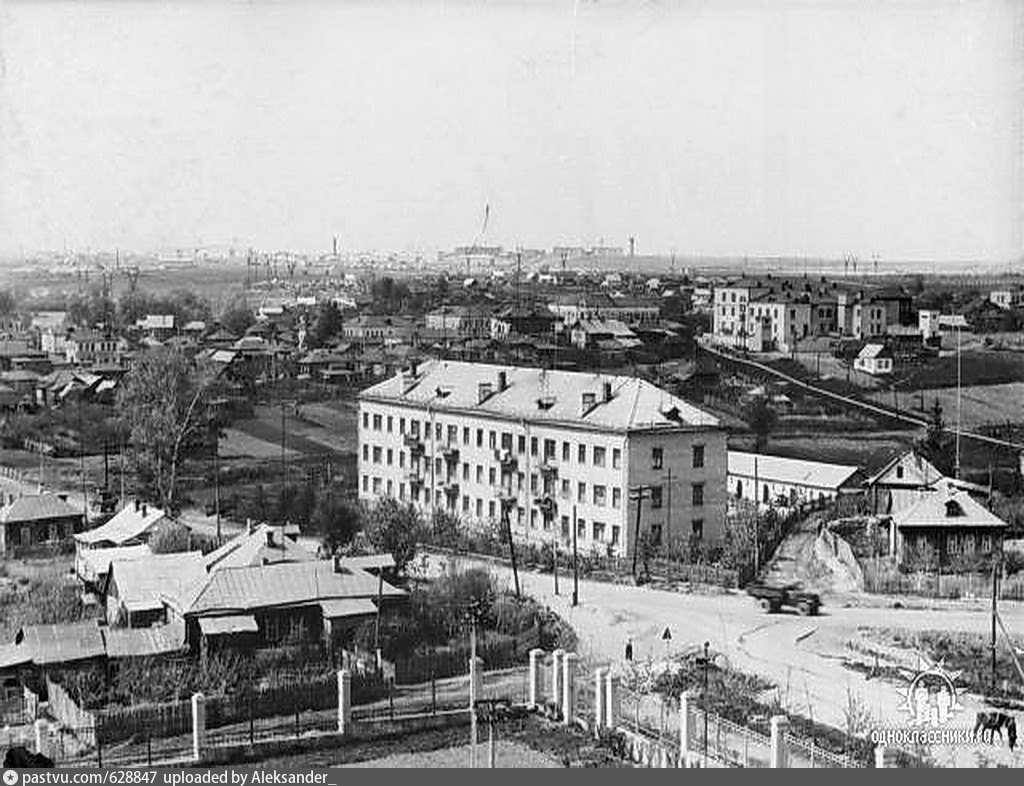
{"x": 814, "y": 128}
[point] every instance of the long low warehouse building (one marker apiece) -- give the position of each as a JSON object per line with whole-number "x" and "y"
{"x": 777, "y": 480}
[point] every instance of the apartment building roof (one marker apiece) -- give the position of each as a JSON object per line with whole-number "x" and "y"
{"x": 540, "y": 395}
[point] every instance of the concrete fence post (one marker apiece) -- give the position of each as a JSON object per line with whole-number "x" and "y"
{"x": 344, "y": 701}
{"x": 612, "y": 701}
{"x": 41, "y": 737}
{"x": 569, "y": 688}
{"x": 556, "y": 676}
{"x": 198, "y": 726}
{"x": 600, "y": 688}
{"x": 685, "y": 727}
{"x": 780, "y": 750}
{"x": 535, "y": 657}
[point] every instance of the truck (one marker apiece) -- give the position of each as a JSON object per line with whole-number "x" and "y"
{"x": 773, "y": 598}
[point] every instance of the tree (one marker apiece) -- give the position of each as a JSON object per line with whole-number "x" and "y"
{"x": 761, "y": 419}
{"x": 171, "y": 539}
{"x": 444, "y": 528}
{"x": 396, "y": 529}
{"x": 164, "y": 401}
{"x": 326, "y": 325}
{"x": 938, "y": 445}
{"x": 336, "y": 520}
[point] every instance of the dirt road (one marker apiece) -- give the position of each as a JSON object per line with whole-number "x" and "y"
{"x": 803, "y": 656}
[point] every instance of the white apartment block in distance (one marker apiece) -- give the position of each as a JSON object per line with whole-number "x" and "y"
{"x": 552, "y": 447}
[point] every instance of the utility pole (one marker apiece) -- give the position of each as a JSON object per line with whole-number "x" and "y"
{"x": 472, "y": 687}
{"x": 575, "y": 564}
{"x": 284, "y": 463}
{"x": 637, "y": 493}
{"x": 956, "y": 472}
{"x": 216, "y": 480}
{"x": 997, "y": 559}
{"x": 376, "y": 626}
{"x": 757, "y": 523}
{"x": 668, "y": 503}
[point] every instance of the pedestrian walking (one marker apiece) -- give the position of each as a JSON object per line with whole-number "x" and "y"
{"x": 629, "y": 648}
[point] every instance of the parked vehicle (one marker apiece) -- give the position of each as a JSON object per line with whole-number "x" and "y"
{"x": 774, "y": 598}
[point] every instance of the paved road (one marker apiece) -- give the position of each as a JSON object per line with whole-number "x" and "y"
{"x": 799, "y": 652}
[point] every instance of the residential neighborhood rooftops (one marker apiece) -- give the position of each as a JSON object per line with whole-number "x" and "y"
{"x": 948, "y": 507}
{"x": 264, "y": 545}
{"x": 796, "y": 472}
{"x": 142, "y": 582}
{"x": 126, "y": 525}
{"x": 539, "y": 394}
{"x": 37, "y": 507}
{"x": 93, "y": 563}
{"x": 144, "y": 642}
{"x": 874, "y": 351}
{"x": 47, "y": 644}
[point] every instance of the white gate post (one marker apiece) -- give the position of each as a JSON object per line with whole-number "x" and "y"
{"x": 685, "y": 728}
{"x": 556, "y": 677}
{"x": 612, "y": 701}
{"x": 780, "y": 751}
{"x": 569, "y": 688}
{"x": 344, "y": 701}
{"x": 41, "y": 735}
{"x": 600, "y": 680}
{"x": 535, "y": 655}
{"x": 198, "y": 726}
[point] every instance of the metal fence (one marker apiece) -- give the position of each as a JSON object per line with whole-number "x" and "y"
{"x": 804, "y": 754}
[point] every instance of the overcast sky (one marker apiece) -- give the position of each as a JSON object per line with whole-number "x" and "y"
{"x": 719, "y": 128}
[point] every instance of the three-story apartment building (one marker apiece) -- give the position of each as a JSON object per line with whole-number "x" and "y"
{"x": 551, "y": 449}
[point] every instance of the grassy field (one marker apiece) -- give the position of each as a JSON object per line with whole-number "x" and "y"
{"x": 980, "y": 404}
{"x": 302, "y": 435}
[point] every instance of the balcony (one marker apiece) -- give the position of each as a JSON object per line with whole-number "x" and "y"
{"x": 450, "y": 454}
{"x": 549, "y": 466}
{"x": 414, "y": 444}
{"x": 413, "y": 477}
{"x": 506, "y": 459}
{"x": 546, "y": 505}
{"x": 506, "y": 494}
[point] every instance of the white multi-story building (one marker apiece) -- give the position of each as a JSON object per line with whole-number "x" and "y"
{"x": 550, "y": 448}
{"x": 729, "y": 311}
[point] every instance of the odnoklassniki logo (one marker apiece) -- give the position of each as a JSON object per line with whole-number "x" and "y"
{"x": 931, "y": 699}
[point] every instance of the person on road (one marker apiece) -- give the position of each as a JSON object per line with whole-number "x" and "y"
{"x": 629, "y": 648}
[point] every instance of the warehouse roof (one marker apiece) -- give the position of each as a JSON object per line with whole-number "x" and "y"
{"x": 541, "y": 395}
{"x": 791, "y": 472}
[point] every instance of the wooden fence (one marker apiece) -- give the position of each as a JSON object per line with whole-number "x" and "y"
{"x": 497, "y": 652}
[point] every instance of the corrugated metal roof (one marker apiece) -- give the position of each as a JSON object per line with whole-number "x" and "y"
{"x": 48, "y": 644}
{"x": 142, "y": 642}
{"x": 38, "y": 507}
{"x": 92, "y": 563}
{"x": 369, "y": 561}
{"x": 948, "y": 507}
{"x": 233, "y": 623}
{"x": 12, "y": 655}
{"x": 126, "y": 525}
{"x": 635, "y": 403}
{"x": 253, "y": 549}
{"x": 142, "y": 582}
{"x": 788, "y": 471}
{"x": 286, "y": 584}
{"x": 348, "y": 607}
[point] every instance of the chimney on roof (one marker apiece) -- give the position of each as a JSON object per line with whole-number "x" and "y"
{"x": 587, "y": 401}
{"x": 270, "y": 537}
{"x": 337, "y": 563}
{"x": 248, "y": 526}
{"x": 502, "y": 381}
{"x": 136, "y": 506}
{"x": 607, "y": 392}
{"x": 484, "y": 390}
{"x": 143, "y": 510}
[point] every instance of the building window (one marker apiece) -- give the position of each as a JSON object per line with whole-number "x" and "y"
{"x": 391, "y": 457}
{"x": 426, "y": 430}
{"x": 366, "y": 482}
{"x": 391, "y": 424}
{"x": 377, "y": 420}
{"x": 655, "y": 496}
{"x": 376, "y": 485}
{"x": 565, "y": 488}
{"x": 465, "y": 503}
{"x": 549, "y": 449}
{"x": 599, "y": 454}
{"x": 616, "y": 458}
{"x": 479, "y": 507}
{"x": 479, "y": 437}
{"x": 465, "y": 471}
{"x": 376, "y": 454}
{"x": 366, "y": 420}
{"x": 697, "y": 528}
{"x": 615, "y": 534}
{"x": 438, "y": 466}
{"x": 401, "y": 458}
{"x": 465, "y": 436}
{"x": 492, "y": 440}
{"x": 698, "y": 494}
{"x": 453, "y": 435}
{"x": 598, "y": 530}
{"x": 401, "y": 425}
{"x": 437, "y": 432}
{"x": 600, "y": 496}
{"x": 533, "y": 518}
{"x": 391, "y": 487}
{"x": 581, "y": 528}
{"x": 533, "y": 482}
{"x": 698, "y": 456}
{"x": 581, "y": 492}
{"x": 565, "y": 526}
{"x": 899, "y": 471}
{"x": 616, "y": 497}
{"x": 490, "y": 509}
{"x": 656, "y": 535}
{"x": 479, "y": 474}
{"x": 565, "y": 452}
{"x": 522, "y": 444}
{"x": 657, "y": 458}
{"x": 506, "y": 441}
{"x": 533, "y": 446}
{"x": 366, "y": 452}
{"x": 491, "y": 478}
{"x": 582, "y": 454}
{"x": 401, "y": 491}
